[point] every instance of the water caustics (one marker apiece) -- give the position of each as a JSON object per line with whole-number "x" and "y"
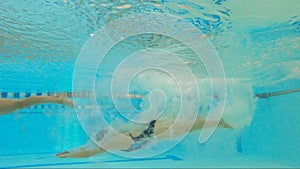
{"x": 56, "y": 30}
{"x": 250, "y": 43}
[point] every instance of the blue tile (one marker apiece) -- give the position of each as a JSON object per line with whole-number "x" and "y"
{"x": 173, "y": 157}
{"x": 4, "y": 94}
{"x": 16, "y": 95}
{"x": 47, "y": 165}
{"x": 239, "y": 145}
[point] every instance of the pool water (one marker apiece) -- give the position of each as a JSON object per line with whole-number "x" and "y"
{"x": 258, "y": 44}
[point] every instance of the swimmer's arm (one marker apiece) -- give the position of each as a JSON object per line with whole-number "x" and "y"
{"x": 117, "y": 142}
{"x": 7, "y": 106}
{"x": 81, "y": 153}
{"x": 199, "y": 124}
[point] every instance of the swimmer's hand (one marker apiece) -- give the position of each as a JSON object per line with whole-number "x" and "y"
{"x": 225, "y": 124}
{"x": 64, "y": 154}
{"x": 63, "y": 99}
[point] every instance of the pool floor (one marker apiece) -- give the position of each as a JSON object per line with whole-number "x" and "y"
{"x": 110, "y": 161}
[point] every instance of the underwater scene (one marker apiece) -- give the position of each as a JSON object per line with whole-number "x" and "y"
{"x": 149, "y": 84}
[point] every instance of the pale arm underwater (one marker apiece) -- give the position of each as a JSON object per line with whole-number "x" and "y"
{"x": 8, "y": 106}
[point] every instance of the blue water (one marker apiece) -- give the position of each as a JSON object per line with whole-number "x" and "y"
{"x": 258, "y": 44}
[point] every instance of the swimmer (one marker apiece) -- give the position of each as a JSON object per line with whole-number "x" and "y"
{"x": 155, "y": 128}
{"x": 131, "y": 143}
{"x": 10, "y": 105}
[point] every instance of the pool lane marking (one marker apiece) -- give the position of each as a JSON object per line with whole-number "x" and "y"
{"x": 44, "y": 165}
{"x": 167, "y": 157}
{"x": 239, "y": 145}
{"x": 18, "y": 95}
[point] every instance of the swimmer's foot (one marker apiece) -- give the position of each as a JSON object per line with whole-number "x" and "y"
{"x": 225, "y": 124}
{"x": 63, "y": 99}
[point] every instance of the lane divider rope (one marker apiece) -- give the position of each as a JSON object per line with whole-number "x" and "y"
{"x": 20, "y": 95}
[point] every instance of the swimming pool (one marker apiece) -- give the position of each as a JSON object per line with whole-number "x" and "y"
{"x": 257, "y": 43}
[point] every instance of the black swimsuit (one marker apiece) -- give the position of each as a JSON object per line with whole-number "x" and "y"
{"x": 146, "y": 133}
{"x": 143, "y": 139}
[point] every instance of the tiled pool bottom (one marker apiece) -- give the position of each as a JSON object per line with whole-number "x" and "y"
{"x": 110, "y": 161}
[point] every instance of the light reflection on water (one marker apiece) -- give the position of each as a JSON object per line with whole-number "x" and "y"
{"x": 249, "y": 42}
